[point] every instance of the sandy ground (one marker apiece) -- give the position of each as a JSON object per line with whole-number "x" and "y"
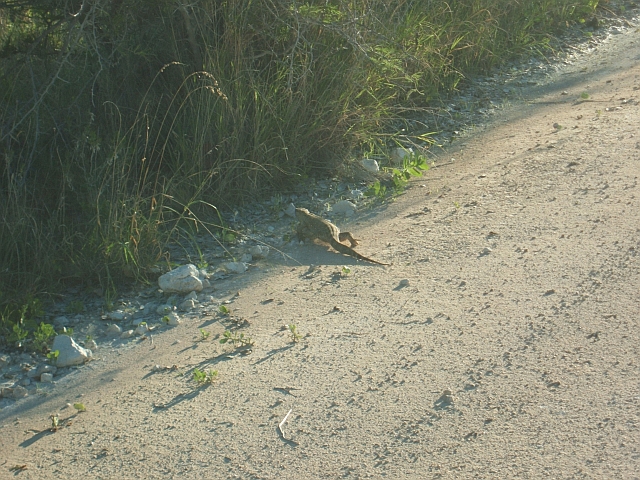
{"x": 512, "y": 352}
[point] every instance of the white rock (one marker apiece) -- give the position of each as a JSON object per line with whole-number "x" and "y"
{"x": 127, "y": 334}
{"x": 183, "y": 279}
{"x": 46, "y": 377}
{"x": 356, "y": 194}
{"x": 344, "y": 207}
{"x": 235, "y": 267}
{"x": 370, "y": 165}
{"x": 142, "y": 329}
{"x": 206, "y": 284}
{"x": 70, "y": 352}
{"x": 259, "y": 251}
{"x": 174, "y": 319}
{"x": 114, "y": 330}
{"x": 116, "y": 316}
{"x": 39, "y": 370}
{"x": 398, "y": 155}
{"x": 91, "y": 345}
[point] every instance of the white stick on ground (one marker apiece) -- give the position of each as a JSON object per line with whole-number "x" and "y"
{"x": 283, "y": 421}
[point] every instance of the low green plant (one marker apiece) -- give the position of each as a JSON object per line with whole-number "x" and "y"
{"x": 204, "y": 334}
{"x": 224, "y": 310}
{"x": 80, "y": 407}
{"x": 53, "y": 356}
{"x": 18, "y": 320}
{"x": 238, "y": 339}
{"x": 42, "y": 335}
{"x": 55, "y": 421}
{"x": 413, "y": 165}
{"x": 345, "y": 271}
{"x": 201, "y": 376}
{"x": 377, "y": 190}
{"x": 293, "y": 331}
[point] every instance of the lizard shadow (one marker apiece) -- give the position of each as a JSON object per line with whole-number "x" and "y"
{"x": 321, "y": 254}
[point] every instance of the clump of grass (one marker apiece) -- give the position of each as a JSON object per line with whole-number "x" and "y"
{"x": 202, "y": 377}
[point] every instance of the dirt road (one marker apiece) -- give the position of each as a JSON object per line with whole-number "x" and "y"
{"x": 503, "y": 342}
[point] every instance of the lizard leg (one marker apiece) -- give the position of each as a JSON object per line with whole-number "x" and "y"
{"x": 347, "y": 236}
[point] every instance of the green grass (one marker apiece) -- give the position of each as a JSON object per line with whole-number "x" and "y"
{"x": 128, "y": 125}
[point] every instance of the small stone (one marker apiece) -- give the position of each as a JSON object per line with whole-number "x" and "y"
{"x": 4, "y": 360}
{"x": 259, "y": 251}
{"x": 142, "y": 329}
{"x": 188, "y": 305}
{"x": 164, "y": 309}
{"x": 19, "y": 392}
{"x": 404, "y": 282}
{"x": 91, "y": 344}
{"x": 70, "y": 353}
{"x": 485, "y": 251}
{"x": 445, "y": 400}
{"x": 116, "y": 316}
{"x": 192, "y": 296}
{"x": 35, "y": 373}
{"x": 370, "y": 165}
{"x": 172, "y": 319}
{"x": 344, "y": 207}
{"x": 25, "y": 382}
{"x": 126, "y": 334}
{"x": 235, "y": 267}
{"x": 398, "y": 155}
{"x": 6, "y": 392}
{"x": 290, "y": 210}
{"x": 46, "y": 377}
{"x": 114, "y": 330}
{"x": 183, "y": 279}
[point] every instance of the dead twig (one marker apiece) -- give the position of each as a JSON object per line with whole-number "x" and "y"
{"x": 283, "y": 422}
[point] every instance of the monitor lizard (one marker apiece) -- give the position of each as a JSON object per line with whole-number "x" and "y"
{"x": 313, "y": 227}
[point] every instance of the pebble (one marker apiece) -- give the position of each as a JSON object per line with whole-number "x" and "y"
{"x": 173, "y": 319}
{"x": 19, "y": 392}
{"x": 126, "y": 334}
{"x": 235, "y": 267}
{"x": 114, "y": 330}
{"x": 141, "y": 329}
{"x": 370, "y": 165}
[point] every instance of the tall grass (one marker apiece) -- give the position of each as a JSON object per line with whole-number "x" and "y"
{"x": 120, "y": 120}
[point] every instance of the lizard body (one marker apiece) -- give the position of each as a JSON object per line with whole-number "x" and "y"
{"x": 313, "y": 227}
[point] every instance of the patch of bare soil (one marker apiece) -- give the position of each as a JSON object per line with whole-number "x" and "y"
{"x": 501, "y": 343}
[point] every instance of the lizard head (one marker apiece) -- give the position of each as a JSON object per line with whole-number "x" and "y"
{"x": 301, "y": 212}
